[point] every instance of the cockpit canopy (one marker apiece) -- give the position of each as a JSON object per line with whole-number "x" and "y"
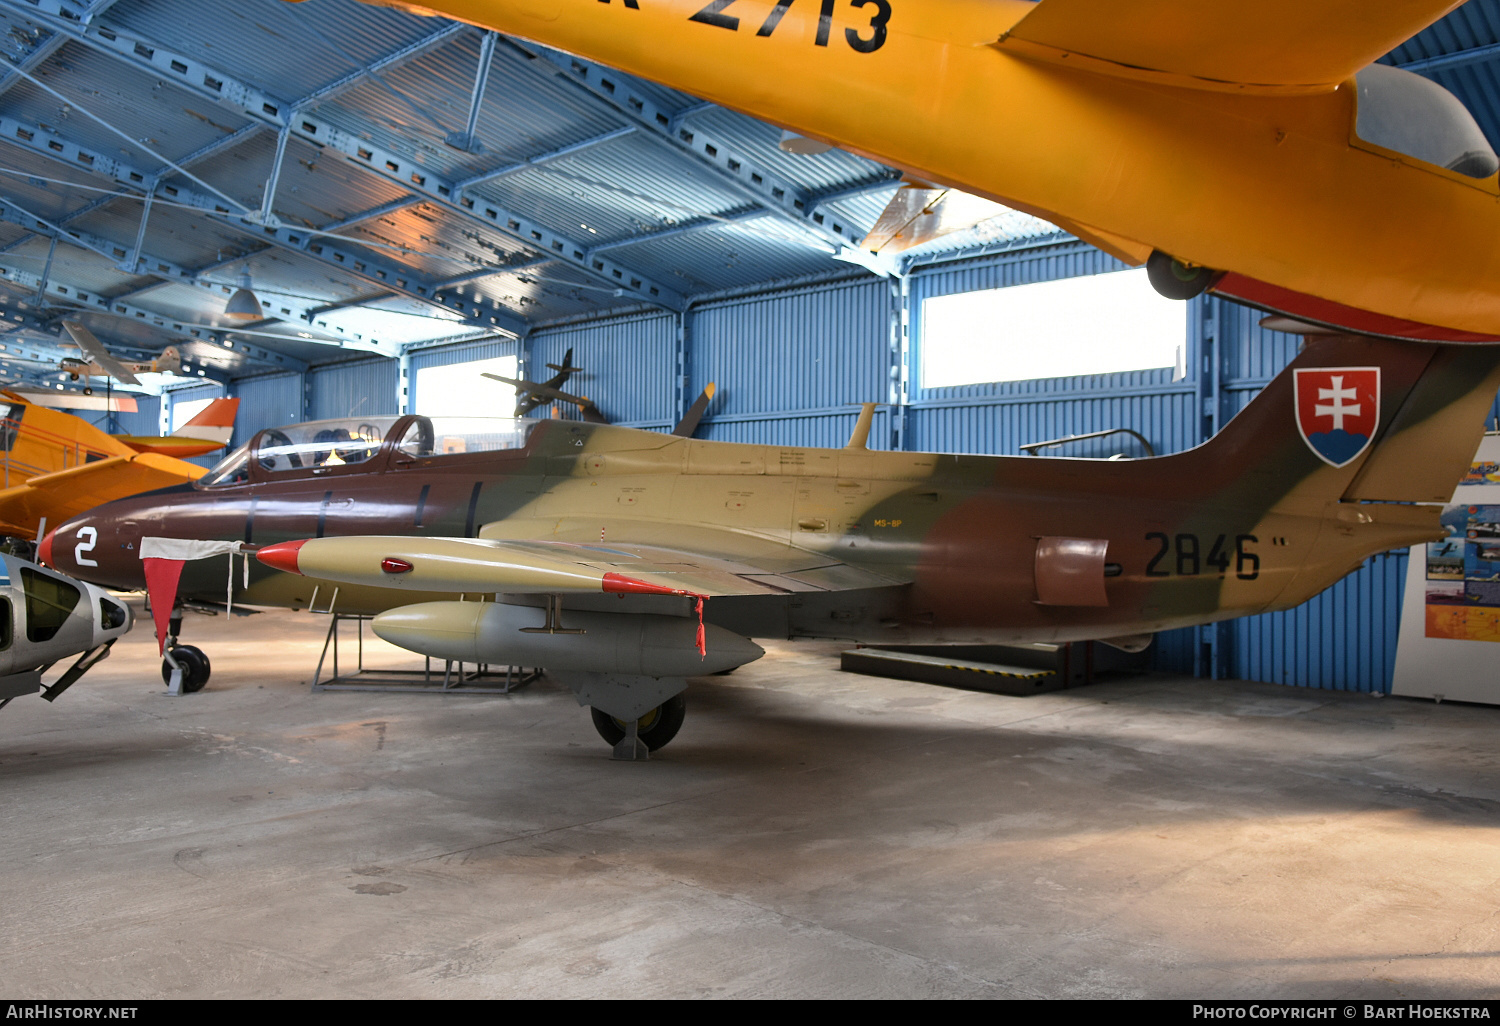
{"x": 321, "y": 445}
{"x": 1402, "y": 111}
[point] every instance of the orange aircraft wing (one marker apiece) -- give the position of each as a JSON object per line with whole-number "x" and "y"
{"x": 1283, "y": 45}
{"x": 67, "y": 493}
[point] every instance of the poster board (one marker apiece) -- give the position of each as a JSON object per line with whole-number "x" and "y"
{"x": 1449, "y": 646}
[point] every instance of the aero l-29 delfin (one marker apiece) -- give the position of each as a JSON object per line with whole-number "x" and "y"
{"x": 589, "y": 549}
{"x": 1255, "y": 148}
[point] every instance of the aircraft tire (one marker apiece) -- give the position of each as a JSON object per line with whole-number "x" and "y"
{"x": 663, "y": 723}
{"x": 1174, "y": 279}
{"x": 196, "y": 668}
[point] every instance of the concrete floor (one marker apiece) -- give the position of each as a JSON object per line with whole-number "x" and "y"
{"x": 810, "y": 833}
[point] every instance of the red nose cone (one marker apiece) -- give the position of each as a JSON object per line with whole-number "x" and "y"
{"x": 282, "y": 556}
{"x": 44, "y": 550}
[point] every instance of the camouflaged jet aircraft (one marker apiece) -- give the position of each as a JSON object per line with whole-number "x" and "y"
{"x": 590, "y": 549}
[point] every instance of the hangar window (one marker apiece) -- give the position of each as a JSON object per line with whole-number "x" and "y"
{"x": 461, "y": 390}
{"x": 1099, "y": 324}
{"x": 1402, "y": 111}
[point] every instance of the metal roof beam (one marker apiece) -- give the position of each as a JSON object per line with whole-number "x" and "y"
{"x": 47, "y": 47}
{"x": 173, "y": 274}
{"x": 410, "y": 52}
{"x": 145, "y": 263}
{"x": 251, "y": 101}
{"x": 86, "y": 302}
{"x": 348, "y": 259}
{"x": 753, "y": 214}
{"x": 764, "y": 187}
{"x": 194, "y": 367}
{"x": 1447, "y": 61}
{"x": 545, "y": 158}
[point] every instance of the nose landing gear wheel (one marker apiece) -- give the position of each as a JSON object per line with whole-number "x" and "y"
{"x": 655, "y": 729}
{"x": 1174, "y": 279}
{"x": 195, "y": 669}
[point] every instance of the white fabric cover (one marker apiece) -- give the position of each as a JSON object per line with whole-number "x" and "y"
{"x": 185, "y": 548}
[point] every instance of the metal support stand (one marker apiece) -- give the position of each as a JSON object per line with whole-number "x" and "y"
{"x": 553, "y": 625}
{"x": 174, "y": 628}
{"x": 631, "y": 748}
{"x": 455, "y": 679}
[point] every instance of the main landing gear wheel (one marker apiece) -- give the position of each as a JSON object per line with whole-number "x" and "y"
{"x": 655, "y": 729}
{"x": 1177, "y": 280}
{"x": 195, "y": 669}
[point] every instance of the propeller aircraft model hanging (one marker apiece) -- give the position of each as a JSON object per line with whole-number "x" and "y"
{"x": 101, "y": 363}
{"x": 591, "y": 549}
{"x": 1254, "y": 149}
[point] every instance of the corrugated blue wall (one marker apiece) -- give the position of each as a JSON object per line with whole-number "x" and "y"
{"x": 814, "y": 353}
{"x": 266, "y": 402}
{"x": 628, "y": 366}
{"x": 359, "y": 388}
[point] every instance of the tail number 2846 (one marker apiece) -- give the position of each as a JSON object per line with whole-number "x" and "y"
{"x": 1185, "y": 555}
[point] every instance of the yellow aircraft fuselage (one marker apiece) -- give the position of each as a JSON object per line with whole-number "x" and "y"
{"x": 1269, "y": 183}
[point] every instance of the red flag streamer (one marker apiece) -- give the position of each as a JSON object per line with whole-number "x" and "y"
{"x": 162, "y": 576}
{"x": 702, "y": 642}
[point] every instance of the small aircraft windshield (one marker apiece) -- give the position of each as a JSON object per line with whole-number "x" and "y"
{"x": 321, "y": 443}
{"x": 1405, "y": 112}
{"x": 231, "y": 470}
{"x": 49, "y": 602}
{"x": 445, "y": 436}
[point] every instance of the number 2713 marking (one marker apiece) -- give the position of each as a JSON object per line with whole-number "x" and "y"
{"x": 1189, "y": 559}
{"x": 713, "y": 14}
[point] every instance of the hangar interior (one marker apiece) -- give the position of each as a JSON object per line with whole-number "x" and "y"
{"x": 405, "y": 193}
{"x": 409, "y": 192}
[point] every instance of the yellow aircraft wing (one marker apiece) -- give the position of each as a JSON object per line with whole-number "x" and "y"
{"x": 67, "y": 493}
{"x": 1283, "y": 45}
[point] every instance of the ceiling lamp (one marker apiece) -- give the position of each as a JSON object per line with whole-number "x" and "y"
{"x": 243, "y": 305}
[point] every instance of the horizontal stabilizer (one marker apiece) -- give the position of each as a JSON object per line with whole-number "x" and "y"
{"x": 1279, "y": 45}
{"x": 918, "y": 213}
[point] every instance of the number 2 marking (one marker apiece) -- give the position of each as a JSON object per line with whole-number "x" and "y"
{"x": 92, "y": 535}
{"x": 710, "y": 16}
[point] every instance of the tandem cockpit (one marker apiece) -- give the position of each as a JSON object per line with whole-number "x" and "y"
{"x": 323, "y": 447}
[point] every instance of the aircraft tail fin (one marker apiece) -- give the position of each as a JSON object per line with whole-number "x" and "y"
{"x": 214, "y": 422}
{"x": 170, "y": 361}
{"x": 1357, "y": 419}
{"x": 566, "y": 367}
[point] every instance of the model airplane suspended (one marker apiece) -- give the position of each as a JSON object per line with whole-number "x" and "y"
{"x": 54, "y": 465}
{"x": 101, "y": 363}
{"x": 560, "y": 527}
{"x": 532, "y": 394}
{"x": 46, "y": 618}
{"x": 1254, "y": 149}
